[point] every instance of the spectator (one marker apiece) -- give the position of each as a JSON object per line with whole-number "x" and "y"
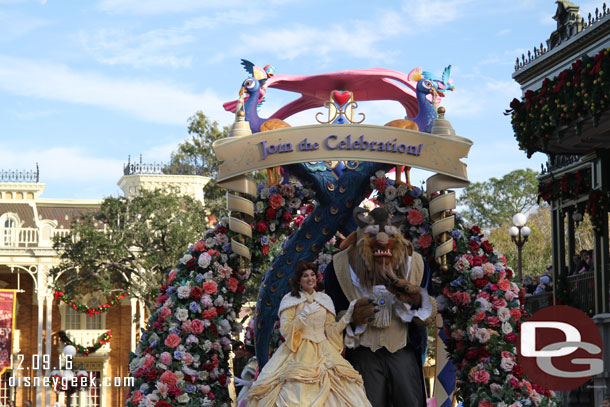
{"x": 586, "y": 260}
{"x": 528, "y": 284}
{"x": 606, "y": 402}
{"x": 544, "y": 286}
{"x": 577, "y": 264}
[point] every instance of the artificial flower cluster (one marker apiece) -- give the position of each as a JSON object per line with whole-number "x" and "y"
{"x": 182, "y": 357}
{"x": 482, "y": 310}
{"x": 279, "y": 210}
{"x": 413, "y": 204}
{"x": 91, "y": 311}
{"x": 575, "y": 93}
{"x": 480, "y": 304}
{"x": 86, "y": 350}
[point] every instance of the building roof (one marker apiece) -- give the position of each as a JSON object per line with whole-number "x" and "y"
{"x": 23, "y": 210}
{"x": 63, "y": 215}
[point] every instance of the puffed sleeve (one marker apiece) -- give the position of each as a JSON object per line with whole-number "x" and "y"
{"x": 291, "y": 326}
{"x": 334, "y": 331}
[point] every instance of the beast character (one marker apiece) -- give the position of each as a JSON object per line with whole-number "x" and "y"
{"x": 386, "y": 340}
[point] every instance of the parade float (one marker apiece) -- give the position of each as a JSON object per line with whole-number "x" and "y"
{"x": 317, "y": 175}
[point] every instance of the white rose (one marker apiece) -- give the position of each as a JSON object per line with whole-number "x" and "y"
{"x": 183, "y": 398}
{"x": 503, "y": 314}
{"x": 482, "y": 335}
{"x": 507, "y": 364}
{"x": 183, "y": 291}
{"x": 182, "y": 314}
{"x": 224, "y": 327}
{"x": 506, "y": 328}
{"x": 204, "y": 260}
{"x": 185, "y": 258}
{"x": 476, "y": 273}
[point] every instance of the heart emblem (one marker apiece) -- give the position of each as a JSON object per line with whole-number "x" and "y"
{"x": 342, "y": 97}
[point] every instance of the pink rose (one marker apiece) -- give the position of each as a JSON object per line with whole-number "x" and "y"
{"x": 415, "y": 218}
{"x": 166, "y": 312}
{"x": 210, "y": 287}
{"x": 172, "y": 276}
{"x": 209, "y": 314}
{"x": 498, "y": 303}
{"x": 172, "y": 340}
{"x": 136, "y": 396}
{"x": 187, "y": 327}
{"x": 232, "y": 284}
{"x": 165, "y": 358}
{"x": 149, "y": 362}
{"x": 169, "y": 378}
{"x": 197, "y": 326}
{"x": 485, "y": 403}
{"x": 424, "y": 241}
{"x": 481, "y": 376}
{"x": 493, "y": 321}
{"x": 504, "y": 284}
{"x": 187, "y": 358}
{"x": 276, "y": 201}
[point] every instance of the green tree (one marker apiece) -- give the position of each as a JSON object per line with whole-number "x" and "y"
{"x": 128, "y": 244}
{"x": 196, "y": 157}
{"x": 491, "y": 203}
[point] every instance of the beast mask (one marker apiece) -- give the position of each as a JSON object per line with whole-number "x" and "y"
{"x": 378, "y": 250}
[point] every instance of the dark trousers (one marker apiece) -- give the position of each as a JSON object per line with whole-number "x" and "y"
{"x": 390, "y": 379}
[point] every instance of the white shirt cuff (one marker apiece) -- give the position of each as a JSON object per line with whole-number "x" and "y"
{"x": 407, "y": 313}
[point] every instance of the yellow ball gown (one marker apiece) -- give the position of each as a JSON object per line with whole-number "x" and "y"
{"x": 308, "y": 369}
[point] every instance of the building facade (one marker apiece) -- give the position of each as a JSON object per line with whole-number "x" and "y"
{"x": 28, "y": 224}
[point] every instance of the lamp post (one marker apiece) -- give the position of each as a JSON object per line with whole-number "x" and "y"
{"x": 66, "y": 376}
{"x": 519, "y": 233}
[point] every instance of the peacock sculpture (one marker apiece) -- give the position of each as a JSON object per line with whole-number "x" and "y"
{"x": 427, "y": 84}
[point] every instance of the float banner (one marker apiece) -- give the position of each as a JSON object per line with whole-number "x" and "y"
{"x": 338, "y": 142}
{"x": 7, "y": 327}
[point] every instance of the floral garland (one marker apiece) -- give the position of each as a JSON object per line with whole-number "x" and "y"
{"x": 571, "y": 186}
{"x": 86, "y": 350}
{"x": 183, "y": 356}
{"x": 92, "y": 311}
{"x": 575, "y": 93}
{"x": 481, "y": 308}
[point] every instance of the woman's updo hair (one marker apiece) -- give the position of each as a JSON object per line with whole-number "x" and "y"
{"x": 295, "y": 280}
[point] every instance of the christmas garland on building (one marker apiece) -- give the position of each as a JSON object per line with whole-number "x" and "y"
{"x": 578, "y": 92}
{"x": 92, "y": 311}
{"x": 86, "y": 350}
{"x": 570, "y": 186}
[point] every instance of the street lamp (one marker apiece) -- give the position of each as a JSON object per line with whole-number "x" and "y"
{"x": 519, "y": 233}
{"x": 66, "y": 376}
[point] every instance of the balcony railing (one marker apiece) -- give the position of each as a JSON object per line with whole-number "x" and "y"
{"x": 89, "y": 337}
{"x": 582, "y": 294}
{"x": 18, "y": 237}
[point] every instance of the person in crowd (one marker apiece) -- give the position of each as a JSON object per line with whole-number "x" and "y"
{"x": 544, "y": 286}
{"x": 606, "y": 402}
{"x": 528, "y": 284}
{"x": 586, "y": 257}
{"x": 308, "y": 369}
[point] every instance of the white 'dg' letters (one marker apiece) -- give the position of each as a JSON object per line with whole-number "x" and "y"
{"x": 558, "y": 349}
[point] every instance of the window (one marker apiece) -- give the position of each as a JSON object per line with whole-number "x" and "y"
{"x": 91, "y": 396}
{"x": 8, "y": 224}
{"x": 6, "y": 394}
{"x": 73, "y": 319}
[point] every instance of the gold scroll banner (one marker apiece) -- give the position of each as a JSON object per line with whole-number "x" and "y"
{"x": 240, "y": 205}
{"x": 337, "y": 142}
{"x": 442, "y": 224}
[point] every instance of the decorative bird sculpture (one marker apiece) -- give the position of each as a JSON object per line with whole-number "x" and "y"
{"x": 427, "y": 84}
{"x": 253, "y": 88}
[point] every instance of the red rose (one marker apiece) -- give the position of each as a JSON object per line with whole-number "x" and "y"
{"x": 511, "y": 337}
{"x": 162, "y": 403}
{"x": 221, "y": 229}
{"x": 261, "y": 227}
{"x": 476, "y": 261}
{"x": 241, "y": 288}
{"x": 265, "y": 250}
{"x": 270, "y": 214}
{"x": 276, "y": 201}
{"x": 200, "y": 246}
{"x": 174, "y": 390}
{"x": 299, "y": 219}
{"x": 287, "y": 216}
{"x": 196, "y": 293}
{"x": 474, "y": 246}
{"x": 472, "y": 354}
{"x": 151, "y": 375}
{"x": 220, "y": 310}
{"x": 380, "y": 185}
{"x": 222, "y": 379}
{"x": 487, "y": 247}
{"x": 481, "y": 282}
{"x": 407, "y": 200}
{"x": 191, "y": 264}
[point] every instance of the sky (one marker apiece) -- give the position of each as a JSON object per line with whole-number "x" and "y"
{"x": 86, "y": 84}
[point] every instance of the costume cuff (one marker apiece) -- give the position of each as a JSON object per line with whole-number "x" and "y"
{"x": 352, "y": 336}
{"x": 407, "y": 313}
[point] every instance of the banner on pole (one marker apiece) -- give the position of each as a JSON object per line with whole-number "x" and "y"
{"x": 8, "y": 302}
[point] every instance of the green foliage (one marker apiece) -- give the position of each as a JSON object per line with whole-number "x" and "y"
{"x": 537, "y": 251}
{"x": 128, "y": 244}
{"x": 491, "y": 203}
{"x": 196, "y": 157}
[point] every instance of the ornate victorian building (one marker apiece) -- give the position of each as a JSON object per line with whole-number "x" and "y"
{"x": 564, "y": 113}
{"x": 28, "y": 224}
